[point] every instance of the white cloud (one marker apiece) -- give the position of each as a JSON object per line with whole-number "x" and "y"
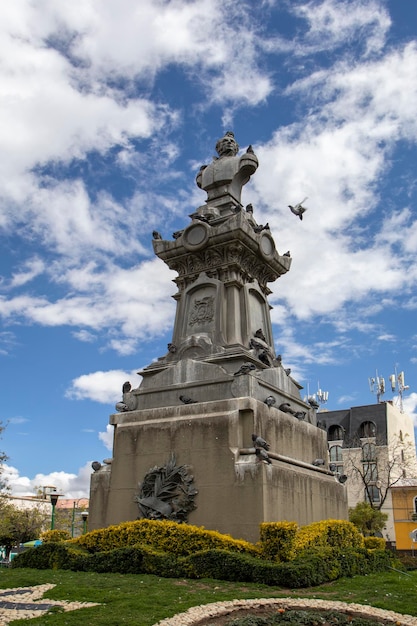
{"x": 410, "y": 406}
{"x": 104, "y": 387}
{"x": 107, "y": 437}
{"x": 336, "y": 158}
{"x": 71, "y": 485}
{"x": 135, "y": 312}
{"x": 17, "y": 420}
{"x": 333, "y": 23}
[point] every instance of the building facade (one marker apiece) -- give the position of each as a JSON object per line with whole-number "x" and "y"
{"x": 404, "y": 505}
{"x": 374, "y": 447}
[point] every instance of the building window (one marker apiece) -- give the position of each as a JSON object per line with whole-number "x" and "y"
{"x": 415, "y": 504}
{"x": 336, "y": 453}
{"x": 372, "y": 494}
{"x": 336, "y": 433}
{"x": 370, "y": 473}
{"x": 368, "y": 452}
{"x": 367, "y": 429}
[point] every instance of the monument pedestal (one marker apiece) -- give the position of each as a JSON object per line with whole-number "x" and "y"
{"x": 236, "y": 492}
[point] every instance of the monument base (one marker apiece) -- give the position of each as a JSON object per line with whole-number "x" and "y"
{"x": 236, "y": 491}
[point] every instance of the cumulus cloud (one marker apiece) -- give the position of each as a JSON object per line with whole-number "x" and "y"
{"x": 103, "y": 387}
{"x": 410, "y": 406}
{"x": 107, "y": 437}
{"x": 332, "y": 23}
{"x": 72, "y": 485}
{"x": 139, "y": 297}
{"x": 360, "y": 115}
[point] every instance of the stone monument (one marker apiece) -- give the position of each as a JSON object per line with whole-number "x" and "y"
{"x": 190, "y": 443}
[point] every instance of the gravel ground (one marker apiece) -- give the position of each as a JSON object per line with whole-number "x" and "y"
{"x": 25, "y": 603}
{"x": 218, "y": 613}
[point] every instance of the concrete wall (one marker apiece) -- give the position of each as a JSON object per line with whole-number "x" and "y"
{"x": 235, "y": 492}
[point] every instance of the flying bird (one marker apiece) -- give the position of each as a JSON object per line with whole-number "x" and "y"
{"x": 298, "y": 209}
{"x": 258, "y": 442}
{"x": 262, "y": 455}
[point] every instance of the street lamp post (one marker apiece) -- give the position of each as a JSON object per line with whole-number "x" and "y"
{"x": 54, "y": 499}
{"x": 84, "y": 516}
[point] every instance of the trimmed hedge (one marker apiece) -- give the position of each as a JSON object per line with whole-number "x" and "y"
{"x": 313, "y": 567}
{"x": 49, "y": 536}
{"x": 277, "y": 540}
{"x": 166, "y": 536}
{"x": 374, "y": 542}
{"x": 339, "y": 534}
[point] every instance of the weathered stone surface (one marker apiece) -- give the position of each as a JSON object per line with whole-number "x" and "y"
{"x": 221, "y": 380}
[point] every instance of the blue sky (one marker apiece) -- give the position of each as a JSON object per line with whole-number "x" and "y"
{"x": 108, "y": 110}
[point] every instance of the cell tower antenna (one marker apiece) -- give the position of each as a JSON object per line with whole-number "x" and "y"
{"x": 322, "y": 396}
{"x": 398, "y": 384}
{"x": 377, "y": 386}
{"x": 318, "y": 398}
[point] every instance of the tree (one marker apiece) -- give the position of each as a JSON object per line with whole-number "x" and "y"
{"x": 19, "y": 525}
{"x": 368, "y": 521}
{"x": 374, "y": 467}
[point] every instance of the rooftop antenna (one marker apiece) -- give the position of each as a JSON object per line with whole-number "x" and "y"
{"x": 377, "y": 386}
{"x": 318, "y": 398}
{"x": 322, "y": 396}
{"x": 397, "y": 383}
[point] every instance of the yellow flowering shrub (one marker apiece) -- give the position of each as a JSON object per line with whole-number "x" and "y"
{"x": 374, "y": 543}
{"x": 332, "y": 533}
{"x": 277, "y": 540}
{"x": 52, "y": 536}
{"x": 166, "y": 536}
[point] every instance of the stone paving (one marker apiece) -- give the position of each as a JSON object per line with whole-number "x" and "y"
{"x": 199, "y": 614}
{"x": 23, "y": 603}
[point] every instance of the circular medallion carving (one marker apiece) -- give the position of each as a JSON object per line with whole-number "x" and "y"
{"x": 267, "y": 246}
{"x": 195, "y": 236}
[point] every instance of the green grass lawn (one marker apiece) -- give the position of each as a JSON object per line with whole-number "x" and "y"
{"x": 143, "y": 600}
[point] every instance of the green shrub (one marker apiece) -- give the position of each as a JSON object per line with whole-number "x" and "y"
{"x": 372, "y": 543}
{"x": 333, "y": 533}
{"x": 165, "y": 536}
{"x": 221, "y": 564}
{"x": 407, "y": 561}
{"x": 51, "y": 555}
{"x": 49, "y": 536}
{"x": 277, "y": 540}
{"x": 312, "y": 567}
